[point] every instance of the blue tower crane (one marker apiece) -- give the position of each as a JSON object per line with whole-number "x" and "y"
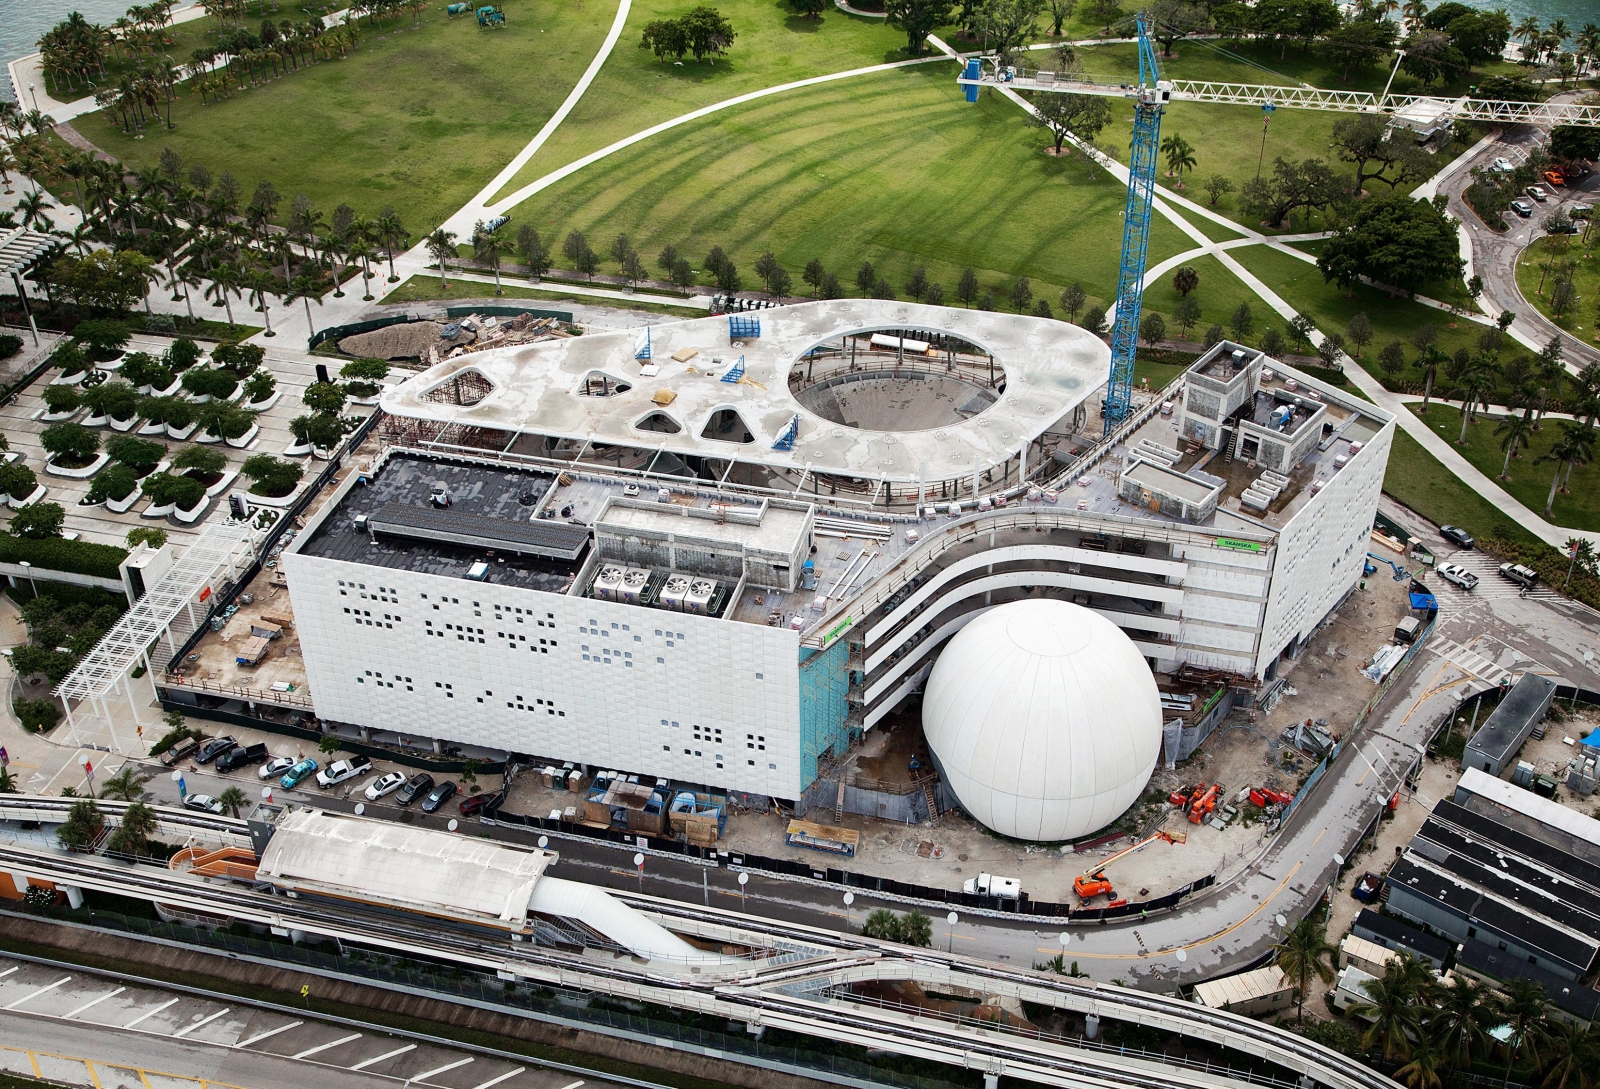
{"x": 1149, "y": 102}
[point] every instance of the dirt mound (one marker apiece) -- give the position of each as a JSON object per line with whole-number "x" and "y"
{"x": 407, "y": 341}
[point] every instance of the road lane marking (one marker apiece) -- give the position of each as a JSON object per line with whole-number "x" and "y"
{"x": 14, "y": 1003}
{"x": 364, "y": 1063}
{"x": 574, "y": 1085}
{"x": 94, "y": 1077}
{"x": 1209, "y": 938}
{"x": 151, "y": 1013}
{"x": 256, "y": 1039}
{"x": 8, "y": 971}
{"x": 504, "y": 1077}
{"x": 324, "y": 1047}
{"x": 1319, "y": 836}
{"x": 198, "y": 1024}
{"x": 92, "y": 1002}
{"x": 442, "y": 1069}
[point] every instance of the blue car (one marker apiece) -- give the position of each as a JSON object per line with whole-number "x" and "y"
{"x": 297, "y": 774}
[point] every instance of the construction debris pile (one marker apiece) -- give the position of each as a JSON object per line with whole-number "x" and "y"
{"x": 475, "y": 334}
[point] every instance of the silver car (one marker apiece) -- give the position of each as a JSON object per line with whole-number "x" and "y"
{"x": 274, "y": 768}
{"x": 385, "y": 785}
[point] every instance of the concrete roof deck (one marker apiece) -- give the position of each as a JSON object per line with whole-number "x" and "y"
{"x": 1050, "y": 368}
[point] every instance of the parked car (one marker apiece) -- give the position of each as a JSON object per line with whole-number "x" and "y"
{"x": 1537, "y": 193}
{"x": 275, "y": 768}
{"x": 1458, "y": 575}
{"x": 470, "y": 806}
{"x": 178, "y": 752}
{"x": 1580, "y": 211}
{"x": 203, "y": 802}
{"x": 1522, "y": 208}
{"x": 297, "y": 774}
{"x": 1502, "y": 165}
{"x": 416, "y": 787}
{"x": 213, "y": 748}
{"x": 1555, "y": 176}
{"x": 1516, "y": 572}
{"x": 1456, "y": 536}
{"x": 438, "y": 796}
{"x": 341, "y": 771}
{"x": 385, "y": 785}
{"x": 242, "y": 756}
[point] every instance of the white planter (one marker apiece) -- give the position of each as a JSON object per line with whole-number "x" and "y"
{"x": 189, "y": 517}
{"x": 158, "y": 512}
{"x": 262, "y": 406}
{"x": 144, "y": 390}
{"x": 323, "y": 455}
{"x": 125, "y": 504}
{"x": 181, "y": 433}
{"x": 282, "y": 501}
{"x": 153, "y": 427}
{"x": 37, "y": 494}
{"x": 246, "y": 439}
{"x": 57, "y": 417}
{"x": 365, "y": 400}
{"x": 94, "y": 421}
{"x": 237, "y": 394}
{"x": 296, "y": 449}
{"x": 198, "y": 398}
{"x": 177, "y": 384}
{"x": 121, "y": 425}
{"x": 206, "y": 438}
{"x": 112, "y": 364}
{"x": 79, "y": 474}
{"x": 222, "y": 485}
{"x": 69, "y": 379}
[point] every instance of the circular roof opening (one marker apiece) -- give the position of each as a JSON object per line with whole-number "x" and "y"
{"x": 897, "y": 380}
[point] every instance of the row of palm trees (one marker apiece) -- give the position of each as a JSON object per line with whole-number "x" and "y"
{"x": 1543, "y": 43}
{"x": 1430, "y": 1028}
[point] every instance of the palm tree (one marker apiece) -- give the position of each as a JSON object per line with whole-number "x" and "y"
{"x": 489, "y": 248}
{"x": 1570, "y": 1050}
{"x": 1458, "y": 1025}
{"x": 1527, "y": 30}
{"x": 1389, "y": 1007}
{"x": 304, "y": 288}
{"x": 233, "y": 799}
{"x": 441, "y": 247}
{"x": 1526, "y": 1009}
{"x": 1514, "y": 431}
{"x": 261, "y": 283}
{"x": 126, "y": 785}
{"x": 1180, "y": 156}
{"x": 224, "y": 279}
{"x": 183, "y": 275}
{"x": 8, "y": 783}
{"x": 1422, "y": 1072}
{"x": 1303, "y": 953}
{"x": 1575, "y": 445}
{"x": 391, "y": 235}
{"x": 1428, "y": 363}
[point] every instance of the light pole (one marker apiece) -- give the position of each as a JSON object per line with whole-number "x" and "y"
{"x": 950, "y": 943}
{"x": 849, "y": 898}
{"x": 27, "y": 570}
{"x": 638, "y": 860}
{"x": 744, "y": 879}
{"x": 34, "y": 95}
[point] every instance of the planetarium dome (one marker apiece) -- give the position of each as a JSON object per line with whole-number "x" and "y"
{"x": 1044, "y": 719}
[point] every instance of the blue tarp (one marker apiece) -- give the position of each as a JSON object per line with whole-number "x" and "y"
{"x": 1593, "y": 740}
{"x": 1425, "y": 602}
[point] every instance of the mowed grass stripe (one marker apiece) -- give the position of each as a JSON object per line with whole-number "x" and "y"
{"x": 893, "y": 168}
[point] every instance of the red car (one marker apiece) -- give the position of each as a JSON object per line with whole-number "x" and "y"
{"x": 472, "y": 805}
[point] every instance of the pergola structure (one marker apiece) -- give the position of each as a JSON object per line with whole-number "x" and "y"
{"x": 20, "y": 250}
{"x": 171, "y": 609}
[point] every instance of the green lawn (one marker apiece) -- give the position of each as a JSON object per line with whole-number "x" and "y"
{"x": 1219, "y": 295}
{"x": 426, "y": 289}
{"x": 899, "y": 171}
{"x": 1533, "y": 277}
{"x": 774, "y": 46}
{"x": 417, "y": 119}
{"x": 1530, "y": 481}
{"x": 1331, "y": 308}
{"x": 1417, "y": 479}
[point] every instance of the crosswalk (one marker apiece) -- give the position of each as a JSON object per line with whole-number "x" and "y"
{"x": 1491, "y": 584}
{"x": 1469, "y": 661}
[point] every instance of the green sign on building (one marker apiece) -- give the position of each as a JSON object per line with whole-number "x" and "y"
{"x": 1241, "y": 546}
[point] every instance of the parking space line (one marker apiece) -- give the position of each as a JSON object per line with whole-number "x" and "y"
{"x": 442, "y": 1069}
{"x": 151, "y": 1013}
{"x": 574, "y": 1085}
{"x": 256, "y": 1039}
{"x": 364, "y": 1063}
{"x": 35, "y": 994}
{"x": 185, "y": 1030}
{"x": 324, "y": 1047}
{"x": 8, "y": 971}
{"x": 94, "y": 1077}
{"x": 91, "y": 1002}
{"x": 503, "y": 1077}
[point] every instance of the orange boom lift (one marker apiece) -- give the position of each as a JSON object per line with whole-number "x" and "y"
{"x": 1093, "y": 882}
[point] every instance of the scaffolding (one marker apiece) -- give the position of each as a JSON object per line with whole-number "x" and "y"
{"x": 173, "y": 608}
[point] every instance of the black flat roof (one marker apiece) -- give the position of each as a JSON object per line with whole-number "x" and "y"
{"x": 1486, "y": 960}
{"x": 1524, "y": 705}
{"x": 1511, "y": 876}
{"x": 1401, "y": 934}
{"x": 1486, "y": 827}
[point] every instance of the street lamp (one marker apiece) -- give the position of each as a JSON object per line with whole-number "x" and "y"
{"x": 849, "y": 898}
{"x": 744, "y": 879}
{"x": 950, "y": 945}
{"x": 27, "y": 571}
{"x": 34, "y": 95}
{"x": 638, "y": 860}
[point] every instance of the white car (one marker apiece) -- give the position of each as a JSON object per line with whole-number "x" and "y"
{"x": 203, "y": 802}
{"x": 341, "y": 770}
{"x": 1503, "y": 165}
{"x": 274, "y": 768}
{"x": 1457, "y": 575}
{"x": 385, "y": 785}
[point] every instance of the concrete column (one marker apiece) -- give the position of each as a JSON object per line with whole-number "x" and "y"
{"x": 74, "y": 895}
{"x": 438, "y": 746}
{"x": 991, "y": 1081}
{"x": 1091, "y": 1026}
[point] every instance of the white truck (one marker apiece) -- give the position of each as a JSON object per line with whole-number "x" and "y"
{"x": 985, "y": 884}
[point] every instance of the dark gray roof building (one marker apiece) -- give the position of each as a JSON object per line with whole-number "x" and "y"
{"x": 1498, "y": 740}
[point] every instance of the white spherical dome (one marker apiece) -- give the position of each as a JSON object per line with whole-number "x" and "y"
{"x": 1044, "y": 719}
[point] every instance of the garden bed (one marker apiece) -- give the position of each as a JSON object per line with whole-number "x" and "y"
{"x": 78, "y": 472}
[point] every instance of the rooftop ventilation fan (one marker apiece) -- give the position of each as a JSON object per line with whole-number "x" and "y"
{"x": 636, "y": 577}
{"x": 610, "y": 574}
{"x": 702, "y": 587}
{"x": 677, "y": 584}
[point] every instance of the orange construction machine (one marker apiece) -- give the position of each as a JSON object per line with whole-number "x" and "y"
{"x": 1202, "y": 806}
{"x": 1093, "y": 882}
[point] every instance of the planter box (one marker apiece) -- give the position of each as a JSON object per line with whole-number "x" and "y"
{"x": 153, "y": 427}
{"x": 189, "y": 517}
{"x": 78, "y": 474}
{"x": 57, "y": 417}
{"x": 181, "y": 433}
{"x": 324, "y": 455}
{"x": 158, "y": 512}
{"x": 280, "y": 502}
{"x": 246, "y": 439}
{"x": 94, "y": 421}
{"x": 125, "y": 504}
{"x": 206, "y": 438}
{"x": 69, "y": 379}
{"x": 121, "y": 425}
{"x": 112, "y": 364}
{"x": 296, "y": 449}
{"x": 177, "y": 384}
{"x": 38, "y": 493}
{"x": 366, "y": 400}
{"x": 222, "y": 485}
{"x": 262, "y": 406}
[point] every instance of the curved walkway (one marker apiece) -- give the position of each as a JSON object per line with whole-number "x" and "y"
{"x": 844, "y": 6}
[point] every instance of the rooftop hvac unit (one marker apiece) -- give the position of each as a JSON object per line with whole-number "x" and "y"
{"x": 674, "y": 592}
{"x": 698, "y": 599}
{"x": 607, "y": 583}
{"x": 634, "y": 581}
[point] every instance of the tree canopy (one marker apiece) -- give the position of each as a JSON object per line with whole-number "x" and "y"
{"x": 1393, "y": 240}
